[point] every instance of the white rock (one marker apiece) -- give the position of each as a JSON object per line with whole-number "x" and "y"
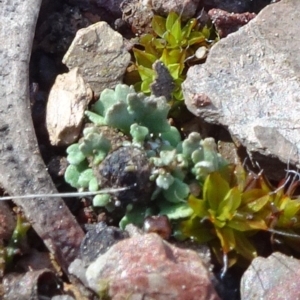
{"x": 68, "y": 99}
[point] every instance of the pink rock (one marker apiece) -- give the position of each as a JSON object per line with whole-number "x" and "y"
{"x": 147, "y": 267}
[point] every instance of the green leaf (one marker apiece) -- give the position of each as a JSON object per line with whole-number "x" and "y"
{"x": 135, "y": 216}
{"x": 172, "y": 18}
{"x": 244, "y": 224}
{"x": 75, "y": 156}
{"x": 196, "y": 37}
{"x": 101, "y": 200}
{"x": 190, "y": 144}
{"x": 214, "y": 190}
{"x": 95, "y": 118}
{"x": 146, "y": 73}
{"x": 95, "y": 142}
{"x": 159, "y": 45}
{"x": 244, "y": 247}
{"x": 172, "y": 56}
{"x": 196, "y": 230}
{"x": 143, "y": 58}
{"x": 174, "y": 70}
{"x": 175, "y": 211}
{"x": 99, "y": 107}
{"x": 176, "y": 30}
{"x": 164, "y": 181}
{"x": 199, "y": 206}
{"x": 171, "y": 40}
{"x": 138, "y": 133}
{"x": 206, "y": 31}
{"x": 257, "y": 204}
{"x": 227, "y": 238}
{"x": 159, "y": 25}
{"x": 291, "y": 209}
{"x": 229, "y": 205}
{"x": 72, "y": 176}
{"x": 93, "y": 185}
{"x": 172, "y": 136}
{"x": 178, "y": 95}
{"x": 177, "y": 192}
{"x": 167, "y": 157}
{"x": 186, "y": 30}
{"x": 148, "y": 41}
{"x": 85, "y": 178}
{"x": 251, "y": 195}
{"x": 150, "y": 112}
{"x": 118, "y": 117}
{"x": 145, "y": 86}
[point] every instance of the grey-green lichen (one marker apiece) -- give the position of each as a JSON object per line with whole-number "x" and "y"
{"x": 162, "y": 166}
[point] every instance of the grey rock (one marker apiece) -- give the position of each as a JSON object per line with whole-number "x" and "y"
{"x": 272, "y": 278}
{"x": 22, "y": 170}
{"x": 34, "y": 284}
{"x": 99, "y": 53}
{"x": 250, "y": 84}
{"x": 78, "y": 269}
{"x": 139, "y": 13}
{"x": 62, "y": 297}
{"x": 98, "y": 240}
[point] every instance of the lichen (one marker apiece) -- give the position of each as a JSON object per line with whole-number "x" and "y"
{"x": 148, "y": 156}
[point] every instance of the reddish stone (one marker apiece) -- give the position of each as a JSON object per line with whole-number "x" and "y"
{"x": 147, "y": 266}
{"x": 226, "y": 22}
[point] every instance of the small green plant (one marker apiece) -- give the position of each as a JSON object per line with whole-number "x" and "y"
{"x": 233, "y": 207}
{"x": 8, "y": 253}
{"x": 172, "y": 43}
{"x": 165, "y": 165}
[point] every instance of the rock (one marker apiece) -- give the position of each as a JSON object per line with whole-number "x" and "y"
{"x": 113, "y": 6}
{"x": 35, "y": 284}
{"x": 272, "y": 278}
{"x": 237, "y": 6}
{"x": 226, "y": 22}
{"x": 185, "y": 8}
{"x": 68, "y": 99}
{"x": 99, "y": 53}
{"x": 249, "y": 85}
{"x": 139, "y": 13}
{"x": 98, "y": 240}
{"x": 145, "y": 266}
{"x": 62, "y": 297}
{"x": 22, "y": 169}
{"x": 57, "y": 27}
{"x": 7, "y": 222}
